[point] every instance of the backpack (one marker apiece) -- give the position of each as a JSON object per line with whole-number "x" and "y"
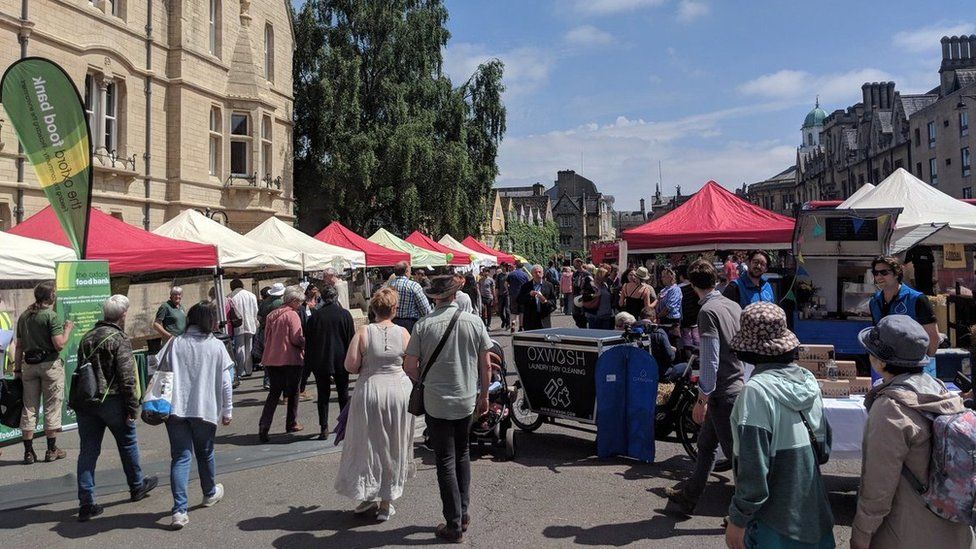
{"x": 84, "y": 383}
{"x": 951, "y": 489}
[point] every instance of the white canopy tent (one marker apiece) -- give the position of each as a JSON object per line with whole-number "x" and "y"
{"x": 928, "y": 215}
{"x": 478, "y": 259}
{"x": 316, "y": 255}
{"x": 234, "y": 250}
{"x": 26, "y": 259}
{"x": 858, "y": 194}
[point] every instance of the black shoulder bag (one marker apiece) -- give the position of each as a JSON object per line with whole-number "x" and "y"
{"x": 416, "y": 405}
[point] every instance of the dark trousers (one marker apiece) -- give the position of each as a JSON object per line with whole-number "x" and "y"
{"x": 449, "y": 439}
{"x": 486, "y": 309}
{"x": 716, "y": 430}
{"x": 322, "y": 381}
{"x": 306, "y": 373}
{"x": 91, "y": 429}
{"x": 284, "y": 380}
{"x": 579, "y": 317}
{"x": 406, "y": 323}
{"x": 503, "y": 311}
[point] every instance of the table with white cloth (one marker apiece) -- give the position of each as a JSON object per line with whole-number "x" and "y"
{"x": 847, "y": 417}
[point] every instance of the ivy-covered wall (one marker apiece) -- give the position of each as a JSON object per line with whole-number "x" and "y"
{"x": 536, "y": 243}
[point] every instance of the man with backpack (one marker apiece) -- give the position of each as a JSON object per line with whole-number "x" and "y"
{"x": 116, "y": 406}
{"x": 906, "y": 498}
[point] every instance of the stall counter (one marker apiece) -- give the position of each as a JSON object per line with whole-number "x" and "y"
{"x": 842, "y": 334}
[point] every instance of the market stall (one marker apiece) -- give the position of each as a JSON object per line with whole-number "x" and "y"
{"x": 481, "y": 258}
{"x": 28, "y": 260}
{"x": 500, "y": 256}
{"x": 376, "y": 256}
{"x": 458, "y": 258}
{"x": 235, "y": 250}
{"x": 316, "y": 255}
{"x": 419, "y": 257}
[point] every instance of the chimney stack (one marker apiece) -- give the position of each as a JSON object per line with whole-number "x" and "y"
{"x": 866, "y": 95}
{"x": 643, "y": 211}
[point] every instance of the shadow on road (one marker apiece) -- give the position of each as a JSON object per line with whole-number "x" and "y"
{"x": 620, "y": 534}
{"x": 343, "y": 524}
{"x": 65, "y": 523}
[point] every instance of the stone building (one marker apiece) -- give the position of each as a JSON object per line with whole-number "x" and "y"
{"x": 529, "y": 205}
{"x": 189, "y": 104}
{"x": 941, "y": 142}
{"x": 777, "y": 194}
{"x": 631, "y": 219}
{"x": 583, "y": 214}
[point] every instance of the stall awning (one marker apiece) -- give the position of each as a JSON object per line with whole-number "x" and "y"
{"x": 477, "y": 245}
{"x": 458, "y": 257}
{"x": 128, "y": 249}
{"x": 376, "y": 255}
{"x": 23, "y": 258}
{"x": 419, "y": 257}
{"x": 316, "y": 255}
{"x": 235, "y": 250}
{"x": 713, "y": 218}
{"x": 482, "y": 259}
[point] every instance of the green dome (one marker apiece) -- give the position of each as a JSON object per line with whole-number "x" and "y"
{"x": 815, "y": 117}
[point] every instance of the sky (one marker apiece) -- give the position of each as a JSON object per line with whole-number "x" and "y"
{"x": 705, "y": 89}
{"x": 713, "y": 90}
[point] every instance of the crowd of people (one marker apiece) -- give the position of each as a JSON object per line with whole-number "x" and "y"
{"x": 430, "y": 337}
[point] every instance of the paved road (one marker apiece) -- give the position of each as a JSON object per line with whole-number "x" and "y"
{"x": 555, "y": 493}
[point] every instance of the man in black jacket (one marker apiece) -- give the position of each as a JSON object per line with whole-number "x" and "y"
{"x": 109, "y": 351}
{"x": 327, "y": 337}
{"x": 538, "y": 300}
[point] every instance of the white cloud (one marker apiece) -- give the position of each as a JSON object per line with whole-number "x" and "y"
{"x": 622, "y": 156}
{"x": 526, "y": 69}
{"x": 689, "y": 10}
{"x": 793, "y": 84}
{"x": 607, "y": 7}
{"x": 588, "y": 35}
{"x": 927, "y": 39}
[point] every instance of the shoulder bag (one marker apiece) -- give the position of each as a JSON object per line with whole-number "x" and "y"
{"x": 416, "y": 405}
{"x": 83, "y": 393}
{"x": 157, "y": 402}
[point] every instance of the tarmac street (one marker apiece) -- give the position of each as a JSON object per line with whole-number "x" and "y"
{"x": 555, "y": 493}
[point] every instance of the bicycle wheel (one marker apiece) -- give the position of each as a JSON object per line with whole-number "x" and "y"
{"x": 522, "y": 416}
{"x": 688, "y": 435}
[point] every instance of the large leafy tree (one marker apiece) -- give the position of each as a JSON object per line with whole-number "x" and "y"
{"x": 382, "y": 136}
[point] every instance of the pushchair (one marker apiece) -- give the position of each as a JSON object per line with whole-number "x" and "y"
{"x": 494, "y": 427}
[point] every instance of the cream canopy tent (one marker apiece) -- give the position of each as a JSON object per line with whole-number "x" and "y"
{"x": 316, "y": 255}
{"x": 928, "y": 215}
{"x": 24, "y": 259}
{"x": 234, "y": 250}
{"x": 482, "y": 260}
{"x": 858, "y": 194}
{"x": 419, "y": 257}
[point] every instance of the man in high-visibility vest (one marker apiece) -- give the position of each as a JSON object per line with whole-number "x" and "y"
{"x": 894, "y": 297}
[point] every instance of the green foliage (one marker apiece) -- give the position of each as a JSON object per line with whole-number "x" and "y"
{"x": 382, "y": 137}
{"x": 537, "y": 243}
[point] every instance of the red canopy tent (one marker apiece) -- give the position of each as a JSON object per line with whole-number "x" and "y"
{"x": 712, "y": 218}
{"x": 603, "y": 251}
{"x": 477, "y": 246}
{"x": 128, "y": 249}
{"x": 421, "y": 240}
{"x": 376, "y": 255}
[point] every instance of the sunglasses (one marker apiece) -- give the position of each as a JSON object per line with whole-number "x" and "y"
{"x": 882, "y": 272}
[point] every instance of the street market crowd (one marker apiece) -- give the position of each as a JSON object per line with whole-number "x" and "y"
{"x": 425, "y": 351}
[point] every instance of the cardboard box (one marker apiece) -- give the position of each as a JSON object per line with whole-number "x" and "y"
{"x": 815, "y": 352}
{"x": 835, "y": 389}
{"x": 860, "y": 385}
{"x": 846, "y": 369}
{"x": 813, "y": 366}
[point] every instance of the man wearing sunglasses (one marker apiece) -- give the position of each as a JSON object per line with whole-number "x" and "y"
{"x": 752, "y": 286}
{"x": 894, "y": 297}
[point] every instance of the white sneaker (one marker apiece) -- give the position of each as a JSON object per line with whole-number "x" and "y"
{"x": 179, "y": 521}
{"x": 216, "y": 497}
{"x": 384, "y": 514}
{"x": 365, "y": 507}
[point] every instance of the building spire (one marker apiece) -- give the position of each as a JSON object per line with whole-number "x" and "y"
{"x": 817, "y": 104}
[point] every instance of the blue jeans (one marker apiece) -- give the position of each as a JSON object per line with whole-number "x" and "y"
{"x": 189, "y": 437}
{"x": 91, "y": 429}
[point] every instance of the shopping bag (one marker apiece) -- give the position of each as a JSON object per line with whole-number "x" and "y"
{"x": 157, "y": 402}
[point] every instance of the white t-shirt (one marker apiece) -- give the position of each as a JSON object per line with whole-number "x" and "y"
{"x": 245, "y": 304}
{"x": 202, "y": 376}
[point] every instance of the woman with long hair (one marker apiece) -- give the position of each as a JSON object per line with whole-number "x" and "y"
{"x": 378, "y": 451}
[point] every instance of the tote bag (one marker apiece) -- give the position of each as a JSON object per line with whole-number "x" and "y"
{"x": 157, "y": 402}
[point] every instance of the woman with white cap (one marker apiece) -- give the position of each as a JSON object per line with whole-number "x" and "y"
{"x": 636, "y": 294}
{"x": 897, "y": 443}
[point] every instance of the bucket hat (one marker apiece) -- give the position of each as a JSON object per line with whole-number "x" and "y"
{"x": 763, "y": 331}
{"x": 277, "y": 289}
{"x": 642, "y": 273}
{"x": 443, "y": 286}
{"x": 897, "y": 340}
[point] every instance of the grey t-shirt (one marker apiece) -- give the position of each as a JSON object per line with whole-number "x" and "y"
{"x": 719, "y": 318}
{"x": 451, "y": 385}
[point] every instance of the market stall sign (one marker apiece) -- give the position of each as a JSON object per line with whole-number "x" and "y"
{"x": 848, "y": 229}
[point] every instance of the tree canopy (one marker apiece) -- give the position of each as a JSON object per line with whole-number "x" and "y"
{"x": 382, "y": 136}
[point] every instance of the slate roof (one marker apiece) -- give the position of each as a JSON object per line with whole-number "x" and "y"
{"x": 915, "y": 103}
{"x": 884, "y": 119}
{"x": 965, "y": 77}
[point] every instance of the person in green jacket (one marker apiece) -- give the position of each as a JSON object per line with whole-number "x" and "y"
{"x": 780, "y": 437}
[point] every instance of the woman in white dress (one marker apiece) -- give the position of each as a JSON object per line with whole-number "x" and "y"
{"x": 377, "y": 453}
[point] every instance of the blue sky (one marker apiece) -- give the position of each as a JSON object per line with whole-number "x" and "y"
{"x": 712, "y": 89}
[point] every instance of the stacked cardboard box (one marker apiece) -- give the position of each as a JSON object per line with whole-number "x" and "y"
{"x": 816, "y": 357}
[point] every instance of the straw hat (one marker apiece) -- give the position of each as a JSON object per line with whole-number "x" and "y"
{"x": 642, "y": 273}
{"x": 443, "y": 286}
{"x": 763, "y": 331}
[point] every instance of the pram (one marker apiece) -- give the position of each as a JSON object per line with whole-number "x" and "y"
{"x": 495, "y": 426}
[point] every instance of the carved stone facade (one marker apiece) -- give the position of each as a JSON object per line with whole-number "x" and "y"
{"x": 189, "y": 103}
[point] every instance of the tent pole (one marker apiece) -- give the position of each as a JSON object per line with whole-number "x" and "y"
{"x": 218, "y": 278}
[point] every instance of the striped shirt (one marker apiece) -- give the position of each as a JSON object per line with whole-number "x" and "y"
{"x": 411, "y": 301}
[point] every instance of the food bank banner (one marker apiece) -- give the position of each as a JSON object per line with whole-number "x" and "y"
{"x": 49, "y": 118}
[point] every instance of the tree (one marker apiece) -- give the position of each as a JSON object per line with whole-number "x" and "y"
{"x": 382, "y": 137}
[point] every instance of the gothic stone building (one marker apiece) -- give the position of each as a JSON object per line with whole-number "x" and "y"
{"x": 189, "y": 104}
{"x": 583, "y": 214}
{"x": 529, "y": 205}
